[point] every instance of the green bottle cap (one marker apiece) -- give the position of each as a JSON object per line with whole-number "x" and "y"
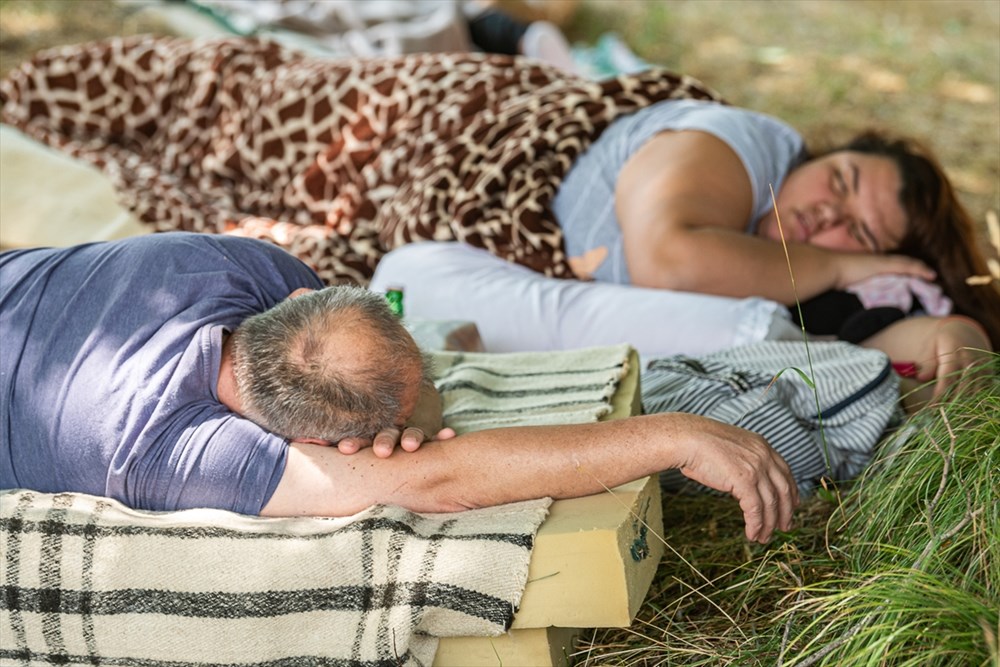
{"x": 394, "y": 297}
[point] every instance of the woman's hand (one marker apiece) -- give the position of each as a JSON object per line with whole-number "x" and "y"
{"x": 956, "y": 344}
{"x": 855, "y": 267}
{"x": 941, "y": 348}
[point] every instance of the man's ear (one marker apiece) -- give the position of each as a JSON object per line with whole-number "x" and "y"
{"x": 299, "y": 292}
{"x": 311, "y": 441}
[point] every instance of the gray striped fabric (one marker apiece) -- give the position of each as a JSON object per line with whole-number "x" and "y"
{"x": 482, "y": 390}
{"x": 830, "y": 432}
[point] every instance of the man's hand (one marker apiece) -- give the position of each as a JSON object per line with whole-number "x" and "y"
{"x": 425, "y": 421}
{"x": 385, "y": 442}
{"x": 741, "y": 463}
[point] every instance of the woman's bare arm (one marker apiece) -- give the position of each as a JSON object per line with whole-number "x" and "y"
{"x": 683, "y": 201}
{"x": 498, "y": 466}
{"x": 941, "y": 348}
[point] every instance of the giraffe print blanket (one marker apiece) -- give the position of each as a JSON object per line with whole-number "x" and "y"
{"x": 337, "y": 161}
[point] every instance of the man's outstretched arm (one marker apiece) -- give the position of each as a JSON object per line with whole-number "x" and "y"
{"x": 498, "y": 466}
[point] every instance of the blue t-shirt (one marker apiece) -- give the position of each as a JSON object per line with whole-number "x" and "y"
{"x": 585, "y": 203}
{"x": 109, "y": 362}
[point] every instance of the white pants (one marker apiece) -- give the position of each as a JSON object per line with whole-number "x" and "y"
{"x": 518, "y": 310}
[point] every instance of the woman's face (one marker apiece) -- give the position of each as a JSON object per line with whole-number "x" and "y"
{"x": 842, "y": 201}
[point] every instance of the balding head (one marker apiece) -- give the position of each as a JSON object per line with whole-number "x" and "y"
{"x": 326, "y": 365}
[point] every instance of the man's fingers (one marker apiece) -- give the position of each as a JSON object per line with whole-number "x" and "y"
{"x": 385, "y": 442}
{"x": 753, "y": 516}
{"x": 412, "y": 438}
{"x": 353, "y": 445}
{"x": 788, "y": 500}
{"x": 768, "y": 504}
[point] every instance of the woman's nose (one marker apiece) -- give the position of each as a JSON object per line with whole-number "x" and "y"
{"x": 828, "y": 215}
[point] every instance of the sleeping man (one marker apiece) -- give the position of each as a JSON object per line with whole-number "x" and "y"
{"x": 173, "y": 371}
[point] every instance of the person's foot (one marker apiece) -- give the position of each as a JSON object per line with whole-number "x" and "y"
{"x": 544, "y": 41}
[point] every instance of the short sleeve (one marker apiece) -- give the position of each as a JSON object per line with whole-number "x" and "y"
{"x": 767, "y": 147}
{"x": 209, "y": 457}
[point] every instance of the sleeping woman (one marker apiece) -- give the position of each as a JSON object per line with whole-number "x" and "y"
{"x": 677, "y": 196}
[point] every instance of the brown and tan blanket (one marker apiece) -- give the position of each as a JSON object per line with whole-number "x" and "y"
{"x": 337, "y": 161}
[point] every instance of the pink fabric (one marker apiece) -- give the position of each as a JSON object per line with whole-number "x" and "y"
{"x": 898, "y": 291}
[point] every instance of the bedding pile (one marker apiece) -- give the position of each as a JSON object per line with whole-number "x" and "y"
{"x": 337, "y": 161}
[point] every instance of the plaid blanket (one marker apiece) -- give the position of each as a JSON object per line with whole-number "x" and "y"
{"x": 336, "y": 161}
{"x": 88, "y": 581}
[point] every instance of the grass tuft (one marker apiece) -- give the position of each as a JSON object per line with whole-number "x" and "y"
{"x": 900, "y": 568}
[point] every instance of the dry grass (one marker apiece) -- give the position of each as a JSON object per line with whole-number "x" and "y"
{"x": 902, "y": 568}
{"x": 27, "y": 26}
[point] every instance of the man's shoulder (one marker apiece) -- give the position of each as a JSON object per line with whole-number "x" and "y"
{"x": 188, "y": 242}
{"x": 218, "y": 252}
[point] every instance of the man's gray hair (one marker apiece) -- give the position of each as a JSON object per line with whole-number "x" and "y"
{"x": 285, "y": 379}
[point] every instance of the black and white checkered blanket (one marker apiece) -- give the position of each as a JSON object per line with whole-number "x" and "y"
{"x": 87, "y": 581}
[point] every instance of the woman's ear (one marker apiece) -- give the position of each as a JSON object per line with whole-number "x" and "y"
{"x": 299, "y": 292}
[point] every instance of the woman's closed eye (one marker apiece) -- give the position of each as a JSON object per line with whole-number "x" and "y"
{"x": 839, "y": 183}
{"x": 863, "y": 235}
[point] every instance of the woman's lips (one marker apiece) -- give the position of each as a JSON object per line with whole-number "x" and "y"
{"x": 802, "y": 231}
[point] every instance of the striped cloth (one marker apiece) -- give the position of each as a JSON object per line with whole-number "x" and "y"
{"x": 483, "y": 390}
{"x": 831, "y": 432}
{"x": 87, "y": 581}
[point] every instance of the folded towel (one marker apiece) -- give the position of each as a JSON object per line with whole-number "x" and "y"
{"x": 482, "y": 390}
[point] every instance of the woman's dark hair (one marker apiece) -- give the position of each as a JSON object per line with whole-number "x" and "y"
{"x": 941, "y": 232}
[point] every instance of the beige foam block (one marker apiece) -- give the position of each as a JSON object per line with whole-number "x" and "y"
{"x": 592, "y": 566}
{"x": 594, "y": 559}
{"x": 50, "y": 199}
{"x": 540, "y": 647}
{"x": 627, "y": 399}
